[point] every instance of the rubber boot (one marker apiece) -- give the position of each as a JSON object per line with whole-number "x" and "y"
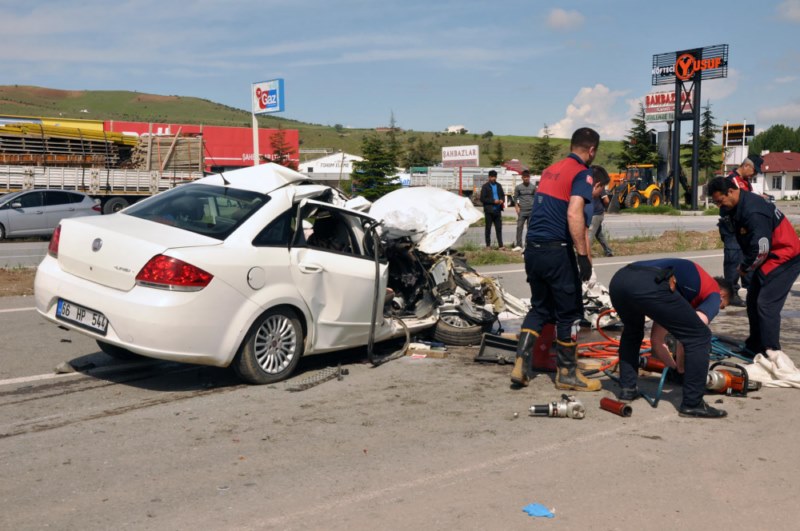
{"x": 520, "y": 374}
{"x": 568, "y": 376}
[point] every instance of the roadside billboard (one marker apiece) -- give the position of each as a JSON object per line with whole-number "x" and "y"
{"x": 660, "y": 106}
{"x": 735, "y": 134}
{"x": 268, "y": 96}
{"x": 460, "y": 156}
{"x": 710, "y": 62}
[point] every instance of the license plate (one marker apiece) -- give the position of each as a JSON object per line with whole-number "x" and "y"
{"x": 82, "y": 316}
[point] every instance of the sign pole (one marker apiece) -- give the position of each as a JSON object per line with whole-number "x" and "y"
{"x": 255, "y": 139}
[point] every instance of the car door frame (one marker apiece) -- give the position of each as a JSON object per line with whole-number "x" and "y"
{"x": 338, "y": 288}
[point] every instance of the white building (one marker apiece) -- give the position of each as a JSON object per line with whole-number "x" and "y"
{"x": 331, "y": 167}
{"x": 456, "y": 128}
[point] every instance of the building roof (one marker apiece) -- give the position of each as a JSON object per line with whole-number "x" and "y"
{"x": 779, "y": 162}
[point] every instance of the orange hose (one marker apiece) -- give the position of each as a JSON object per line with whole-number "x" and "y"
{"x": 608, "y": 348}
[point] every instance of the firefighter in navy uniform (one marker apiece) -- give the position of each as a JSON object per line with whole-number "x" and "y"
{"x": 732, "y": 253}
{"x": 680, "y": 297}
{"x": 771, "y": 254}
{"x": 561, "y": 214}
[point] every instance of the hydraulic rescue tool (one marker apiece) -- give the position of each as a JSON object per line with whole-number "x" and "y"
{"x": 615, "y": 406}
{"x": 568, "y": 406}
{"x": 730, "y": 379}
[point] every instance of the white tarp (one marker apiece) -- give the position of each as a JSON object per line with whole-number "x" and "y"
{"x": 433, "y": 218}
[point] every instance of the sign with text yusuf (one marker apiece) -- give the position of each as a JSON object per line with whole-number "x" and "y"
{"x": 710, "y": 62}
{"x": 464, "y": 156}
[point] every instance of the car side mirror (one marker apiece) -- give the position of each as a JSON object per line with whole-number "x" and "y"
{"x": 16, "y": 204}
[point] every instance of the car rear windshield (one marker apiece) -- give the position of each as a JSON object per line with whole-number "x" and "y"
{"x": 214, "y": 211}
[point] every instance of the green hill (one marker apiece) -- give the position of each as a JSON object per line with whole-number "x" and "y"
{"x": 139, "y": 107}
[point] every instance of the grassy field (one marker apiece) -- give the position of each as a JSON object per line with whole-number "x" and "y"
{"x": 139, "y": 107}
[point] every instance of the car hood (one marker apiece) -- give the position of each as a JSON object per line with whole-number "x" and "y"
{"x": 111, "y": 250}
{"x": 432, "y": 218}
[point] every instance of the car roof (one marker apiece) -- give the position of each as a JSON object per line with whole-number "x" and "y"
{"x": 264, "y": 178}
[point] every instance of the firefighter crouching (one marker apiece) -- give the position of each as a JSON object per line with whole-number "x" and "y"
{"x": 680, "y": 297}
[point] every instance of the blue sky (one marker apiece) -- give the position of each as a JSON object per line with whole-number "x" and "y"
{"x": 507, "y": 66}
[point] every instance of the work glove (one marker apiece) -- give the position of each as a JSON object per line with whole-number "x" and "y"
{"x": 584, "y": 268}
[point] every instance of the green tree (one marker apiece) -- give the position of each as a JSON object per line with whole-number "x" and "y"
{"x": 372, "y": 176}
{"x": 497, "y": 158}
{"x": 487, "y": 134}
{"x": 393, "y": 148}
{"x": 421, "y": 152}
{"x": 708, "y": 157}
{"x": 639, "y": 146}
{"x": 776, "y": 139}
{"x": 543, "y": 153}
{"x": 281, "y": 150}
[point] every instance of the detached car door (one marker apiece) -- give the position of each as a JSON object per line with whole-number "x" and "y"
{"x": 335, "y": 274}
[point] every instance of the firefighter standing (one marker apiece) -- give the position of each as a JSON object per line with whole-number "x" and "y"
{"x": 732, "y": 253}
{"x": 559, "y": 220}
{"x": 771, "y": 254}
{"x": 680, "y": 297}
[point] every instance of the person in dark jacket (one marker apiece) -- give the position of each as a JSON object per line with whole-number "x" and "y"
{"x": 558, "y": 258}
{"x": 494, "y": 199}
{"x": 771, "y": 254}
{"x": 523, "y": 203}
{"x": 681, "y": 298}
{"x": 732, "y": 253}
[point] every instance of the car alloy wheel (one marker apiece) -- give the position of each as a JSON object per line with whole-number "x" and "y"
{"x": 272, "y": 349}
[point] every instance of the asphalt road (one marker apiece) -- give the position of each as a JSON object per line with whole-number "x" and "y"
{"x": 413, "y": 444}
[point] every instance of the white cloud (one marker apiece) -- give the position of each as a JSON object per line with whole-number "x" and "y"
{"x": 789, "y": 10}
{"x": 560, "y": 19}
{"x": 785, "y": 79}
{"x": 594, "y": 107}
{"x": 784, "y": 114}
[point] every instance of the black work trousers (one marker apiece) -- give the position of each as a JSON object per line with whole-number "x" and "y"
{"x": 493, "y": 217}
{"x": 765, "y": 299}
{"x": 556, "y": 294}
{"x": 638, "y": 292}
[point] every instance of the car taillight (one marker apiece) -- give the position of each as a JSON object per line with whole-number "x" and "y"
{"x": 165, "y": 272}
{"x": 52, "y": 249}
{"x": 97, "y": 207}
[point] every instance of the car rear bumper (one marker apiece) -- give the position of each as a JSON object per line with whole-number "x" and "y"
{"x": 204, "y": 327}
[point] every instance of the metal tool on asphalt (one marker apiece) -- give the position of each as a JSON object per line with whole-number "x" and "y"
{"x": 615, "y": 406}
{"x": 568, "y": 406}
{"x": 730, "y": 379}
{"x": 650, "y": 364}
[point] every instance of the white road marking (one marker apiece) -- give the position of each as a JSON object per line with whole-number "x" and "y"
{"x": 26, "y": 309}
{"x": 37, "y": 377}
{"x": 604, "y": 264}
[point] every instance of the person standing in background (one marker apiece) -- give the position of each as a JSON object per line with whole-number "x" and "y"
{"x": 599, "y": 205}
{"x": 523, "y": 203}
{"x": 494, "y": 200}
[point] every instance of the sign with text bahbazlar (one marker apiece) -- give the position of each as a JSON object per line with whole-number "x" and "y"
{"x": 660, "y": 106}
{"x": 711, "y": 62}
{"x": 268, "y": 96}
{"x": 463, "y": 156}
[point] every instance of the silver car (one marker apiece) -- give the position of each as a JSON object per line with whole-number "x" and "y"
{"x": 38, "y": 212}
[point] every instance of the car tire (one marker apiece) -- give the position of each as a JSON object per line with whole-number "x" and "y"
{"x": 2, "y": 232}
{"x": 115, "y": 204}
{"x": 455, "y": 331}
{"x": 117, "y": 352}
{"x": 272, "y": 348}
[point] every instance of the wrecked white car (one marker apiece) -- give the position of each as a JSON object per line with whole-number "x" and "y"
{"x": 256, "y": 267}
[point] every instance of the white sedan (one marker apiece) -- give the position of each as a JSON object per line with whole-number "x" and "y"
{"x": 254, "y": 268}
